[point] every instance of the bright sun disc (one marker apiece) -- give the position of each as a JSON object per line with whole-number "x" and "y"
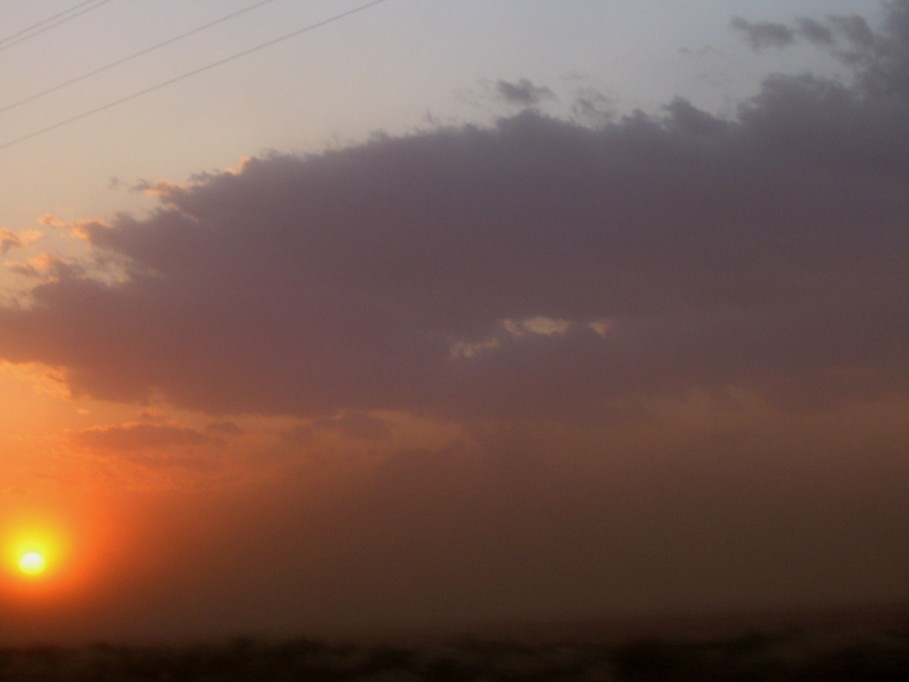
{"x": 32, "y": 563}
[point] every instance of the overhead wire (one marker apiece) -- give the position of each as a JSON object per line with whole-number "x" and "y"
{"x": 43, "y": 26}
{"x": 134, "y": 55}
{"x": 190, "y": 74}
{"x": 44, "y": 21}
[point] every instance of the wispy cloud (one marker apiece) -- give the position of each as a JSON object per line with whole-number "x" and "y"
{"x": 523, "y": 92}
{"x": 11, "y": 240}
{"x": 764, "y": 34}
{"x": 141, "y": 436}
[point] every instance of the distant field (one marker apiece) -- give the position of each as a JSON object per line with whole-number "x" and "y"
{"x": 831, "y": 649}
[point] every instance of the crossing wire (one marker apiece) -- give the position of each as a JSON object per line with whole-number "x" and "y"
{"x": 190, "y": 74}
{"x": 27, "y": 29}
{"x": 134, "y": 55}
{"x": 42, "y": 26}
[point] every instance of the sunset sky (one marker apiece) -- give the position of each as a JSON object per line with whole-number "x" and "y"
{"x": 450, "y": 313}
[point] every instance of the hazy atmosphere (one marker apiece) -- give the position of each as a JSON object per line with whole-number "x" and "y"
{"x": 443, "y": 314}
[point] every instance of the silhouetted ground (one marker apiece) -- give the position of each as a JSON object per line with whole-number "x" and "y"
{"x": 789, "y": 654}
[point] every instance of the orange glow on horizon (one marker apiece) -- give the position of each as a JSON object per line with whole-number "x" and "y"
{"x": 58, "y": 555}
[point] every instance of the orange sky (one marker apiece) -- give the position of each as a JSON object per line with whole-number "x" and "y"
{"x": 540, "y": 356}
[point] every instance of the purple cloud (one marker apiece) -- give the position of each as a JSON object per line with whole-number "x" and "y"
{"x": 650, "y": 256}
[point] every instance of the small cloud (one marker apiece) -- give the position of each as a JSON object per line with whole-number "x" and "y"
{"x": 698, "y": 52}
{"x": 139, "y": 437}
{"x": 47, "y": 267}
{"x": 531, "y": 326}
{"x": 814, "y": 31}
{"x": 299, "y": 435}
{"x": 599, "y": 327}
{"x": 539, "y": 326}
{"x": 238, "y": 169}
{"x": 51, "y": 221}
{"x": 152, "y": 414}
{"x": 826, "y": 34}
{"x": 593, "y": 106}
{"x": 13, "y": 240}
{"x": 44, "y": 379}
{"x": 523, "y": 93}
{"x": 685, "y": 117}
{"x": 764, "y": 34}
{"x": 82, "y": 229}
{"x": 854, "y": 28}
{"x": 8, "y": 240}
{"x": 225, "y": 428}
{"x": 355, "y": 424}
{"x": 464, "y": 350}
{"x": 161, "y": 189}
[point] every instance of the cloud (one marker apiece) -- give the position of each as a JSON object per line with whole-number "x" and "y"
{"x": 862, "y": 45}
{"x": 530, "y": 370}
{"x": 522, "y": 93}
{"x": 856, "y": 30}
{"x": 137, "y": 437}
{"x": 47, "y": 266}
{"x": 12, "y": 240}
{"x": 815, "y": 31}
{"x": 358, "y": 425}
{"x": 224, "y": 428}
{"x": 678, "y": 251}
{"x": 155, "y": 455}
{"x": 9, "y": 240}
{"x": 764, "y": 34}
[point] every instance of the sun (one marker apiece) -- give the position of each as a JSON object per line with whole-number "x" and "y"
{"x": 32, "y": 563}
{"x": 37, "y": 557}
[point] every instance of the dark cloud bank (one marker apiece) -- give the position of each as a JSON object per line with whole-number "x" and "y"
{"x": 535, "y": 269}
{"x": 766, "y": 252}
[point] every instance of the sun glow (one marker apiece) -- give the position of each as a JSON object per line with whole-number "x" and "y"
{"x": 32, "y": 563}
{"x": 33, "y": 559}
{"x": 36, "y": 552}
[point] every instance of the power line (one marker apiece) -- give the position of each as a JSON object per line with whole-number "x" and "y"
{"x": 42, "y": 26}
{"x": 190, "y": 74}
{"x": 128, "y": 58}
{"x": 44, "y": 21}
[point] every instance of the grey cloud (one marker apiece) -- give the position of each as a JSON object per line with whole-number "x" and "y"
{"x": 686, "y": 118}
{"x": 523, "y": 93}
{"x": 854, "y": 28}
{"x": 861, "y": 41}
{"x": 815, "y": 31}
{"x": 593, "y": 106}
{"x": 673, "y": 253}
{"x": 764, "y": 34}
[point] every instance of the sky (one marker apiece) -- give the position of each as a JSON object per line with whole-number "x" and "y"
{"x": 449, "y": 314}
